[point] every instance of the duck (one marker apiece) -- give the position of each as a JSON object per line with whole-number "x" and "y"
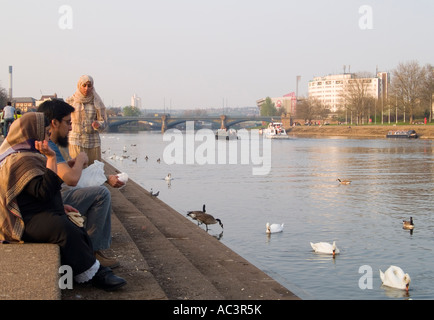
{"x": 146, "y": 158}
{"x": 343, "y": 181}
{"x": 168, "y": 177}
{"x": 325, "y": 247}
{"x": 273, "y": 228}
{"x": 395, "y": 277}
{"x": 409, "y": 225}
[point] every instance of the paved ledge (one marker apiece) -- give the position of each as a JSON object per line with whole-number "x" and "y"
{"x": 29, "y": 271}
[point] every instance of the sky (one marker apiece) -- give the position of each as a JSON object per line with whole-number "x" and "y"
{"x": 190, "y": 54}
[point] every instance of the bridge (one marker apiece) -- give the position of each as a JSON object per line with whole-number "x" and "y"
{"x": 166, "y": 122}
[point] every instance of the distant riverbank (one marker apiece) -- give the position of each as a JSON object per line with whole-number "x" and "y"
{"x": 423, "y": 131}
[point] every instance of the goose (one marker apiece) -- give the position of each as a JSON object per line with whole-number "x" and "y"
{"x": 273, "y": 228}
{"x": 205, "y": 218}
{"x": 168, "y": 177}
{"x": 325, "y": 247}
{"x": 394, "y": 277}
{"x": 343, "y": 181}
{"x": 408, "y": 224}
{"x": 195, "y": 214}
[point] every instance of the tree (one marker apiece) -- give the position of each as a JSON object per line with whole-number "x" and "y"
{"x": 268, "y": 108}
{"x": 358, "y": 98}
{"x": 408, "y": 82}
{"x": 309, "y": 108}
{"x": 130, "y": 111}
{"x": 3, "y": 97}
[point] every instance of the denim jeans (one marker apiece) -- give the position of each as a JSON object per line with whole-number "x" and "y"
{"x": 6, "y": 124}
{"x": 95, "y": 204}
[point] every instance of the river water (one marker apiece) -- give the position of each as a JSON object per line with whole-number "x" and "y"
{"x": 392, "y": 179}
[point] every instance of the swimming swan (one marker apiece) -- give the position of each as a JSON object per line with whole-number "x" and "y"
{"x": 273, "y": 228}
{"x": 325, "y": 247}
{"x": 394, "y": 277}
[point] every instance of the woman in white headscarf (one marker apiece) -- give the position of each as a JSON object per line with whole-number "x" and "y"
{"x": 88, "y": 120}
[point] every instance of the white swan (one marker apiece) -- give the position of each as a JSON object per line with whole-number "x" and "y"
{"x": 168, "y": 177}
{"x": 325, "y": 247}
{"x": 394, "y": 277}
{"x": 273, "y": 228}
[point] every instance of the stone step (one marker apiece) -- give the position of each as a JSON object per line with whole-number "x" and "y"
{"x": 29, "y": 271}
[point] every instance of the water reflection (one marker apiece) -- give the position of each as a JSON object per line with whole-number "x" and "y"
{"x": 391, "y": 181}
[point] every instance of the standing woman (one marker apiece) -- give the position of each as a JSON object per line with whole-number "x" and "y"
{"x": 31, "y": 206}
{"x": 88, "y": 120}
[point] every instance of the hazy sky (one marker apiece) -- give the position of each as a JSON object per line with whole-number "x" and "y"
{"x": 204, "y": 53}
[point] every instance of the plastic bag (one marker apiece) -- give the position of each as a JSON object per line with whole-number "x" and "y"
{"x": 93, "y": 175}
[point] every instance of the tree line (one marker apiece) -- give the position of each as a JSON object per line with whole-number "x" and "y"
{"x": 410, "y": 95}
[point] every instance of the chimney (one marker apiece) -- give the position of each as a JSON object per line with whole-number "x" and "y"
{"x": 10, "y": 83}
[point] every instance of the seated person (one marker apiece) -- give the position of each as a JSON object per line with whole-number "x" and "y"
{"x": 92, "y": 202}
{"x": 31, "y": 206}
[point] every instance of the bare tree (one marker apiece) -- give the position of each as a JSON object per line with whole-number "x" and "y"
{"x": 408, "y": 86}
{"x": 358, "y": 97}
{"x": 309, "y": 108}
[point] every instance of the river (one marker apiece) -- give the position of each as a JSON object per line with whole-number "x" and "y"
{"x": 392, "y": 179}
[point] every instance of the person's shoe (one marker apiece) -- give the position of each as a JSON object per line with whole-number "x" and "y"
{"x": 106, "y": 261}
{"x": 106, "y": 280}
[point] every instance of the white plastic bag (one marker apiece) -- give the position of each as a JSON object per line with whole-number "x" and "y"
{"x": 92, "y": 176}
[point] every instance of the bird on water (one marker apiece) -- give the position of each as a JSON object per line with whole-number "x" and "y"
{"x": 203, "y": 217}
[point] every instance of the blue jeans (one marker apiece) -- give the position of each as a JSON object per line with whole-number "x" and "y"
{"x": 95, "y": 204}
{"x": 6, "y": 126}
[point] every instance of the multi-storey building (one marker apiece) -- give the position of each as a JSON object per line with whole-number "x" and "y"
{"x": 330, "y": 89}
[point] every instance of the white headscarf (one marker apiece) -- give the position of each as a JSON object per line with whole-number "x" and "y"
{"x": 79, "y": 99}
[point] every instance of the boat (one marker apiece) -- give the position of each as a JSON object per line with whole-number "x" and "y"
{"x": 275, "y": 130}
{"x": 228, "y": 134}
{"x": 402, "y": 134}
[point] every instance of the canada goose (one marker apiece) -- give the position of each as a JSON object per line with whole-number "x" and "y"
{"x": 204, "y": 218}
{"x": 326, "y": 248}
{"x": 343, "y": 181}
{"x": 408, "y": 224}
{"x": 394, "y": 277}
{"x": 195, "y": 214}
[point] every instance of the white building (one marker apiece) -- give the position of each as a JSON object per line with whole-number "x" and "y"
{"x": 329, "y": 89}
{"x": 136, "y": 101}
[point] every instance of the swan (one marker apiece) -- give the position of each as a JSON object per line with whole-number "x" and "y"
{"x": 168, "y": 177}
{"x": 394, "y": 277}
{"x": 408, "y": 224}
{"x": 325, "y": 247}
{"x": 343, "y": 181}
{"x": 273, "y": 228}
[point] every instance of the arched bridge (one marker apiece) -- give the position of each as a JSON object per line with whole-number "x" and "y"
{"x": 167, "y": 122}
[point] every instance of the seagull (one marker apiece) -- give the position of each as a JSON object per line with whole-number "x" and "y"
{"x": 343, "y": 181}
{"x": 408, "y": 224}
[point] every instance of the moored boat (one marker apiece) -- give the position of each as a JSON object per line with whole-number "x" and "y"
{"x": 402, "y": 134}
{"x": 275, "y": 130}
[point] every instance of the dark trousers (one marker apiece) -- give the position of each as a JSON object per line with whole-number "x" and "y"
{"x": 75, "y": 246}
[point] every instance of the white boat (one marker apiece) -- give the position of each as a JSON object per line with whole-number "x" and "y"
{"x": 275, "y": 130}
{"x": 226, "y": 134}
